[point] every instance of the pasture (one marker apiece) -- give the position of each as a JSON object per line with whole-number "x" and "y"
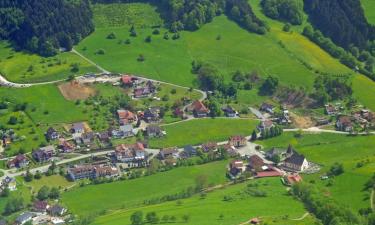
{"x": 194, "y": 132}
{"x": 129, "y": 193}
{"x": 369, "y": 8}
{"x": 23, "y": 67}
{"x": 241, "y": 208}
{"x": 326, "y": 149}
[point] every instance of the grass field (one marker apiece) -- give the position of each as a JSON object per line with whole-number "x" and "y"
{"x": 124, "y": 194}
{"x": 195, "y": 132}
{"x": 242, "y": 208}
{"x": 327, "y": 149}
{"x": 50, "y": 181}
{"x": 23, "y": 67}
{"x": 369, "y": 7}
{"x": 46, "y": 105}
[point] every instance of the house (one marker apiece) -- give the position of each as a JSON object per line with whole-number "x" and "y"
{"x": 126, "y": 130}
{"x": 152, "y": 115}
{"x": 8, "y": 182}
{"x": 237, "y": 141}
{"x": 66, "y": 146}
{"x": 344, "y": 123}
{"x": 266, "y": 107}
{"x": 78, "y": 128}
{"x": 56, "y": 210}
{"x": 154, "y": 131}
{"x": 269, "y": 171}
{"x": 104, "y": 136}
{"x": 229, "y": 111}
{"x": 209, "y": 146}
{"x": 24, "y": 218}
{"x": 126, "y": 117}
{"x": 230, "y": 149}
{"x": 131, "y": 152}
{"x": 141, "y": 92}
{"x": 236, "y": 167}
{"x": 279, "y": 153}
{"x": 91, "y": 171}
{"x": 128, "y": 80}
{"x": 189, "y": 151}
{"x": 330, "y": 110}
{"x": 199, "y": 109}
{"x": 169, "y": 153}
{"x": 178, "y": 112}
{"x": 265, "y": 125}
{"x": 52, "y": 134}
{"x": 292, "y": 179}
{"x": 44, "y": 154}
{"x": 88, "y": 138}
{"x": 296, "y": 162}
{"x": 255, "y": 163}
{"x": 255, "y": 221}
{"x": 40, "y": 206}
{"x": 20, "y": 161}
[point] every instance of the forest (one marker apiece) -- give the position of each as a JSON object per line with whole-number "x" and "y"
{"x": 43, "y": 26}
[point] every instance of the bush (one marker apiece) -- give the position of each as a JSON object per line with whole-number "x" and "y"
{"x": 111, "y": 36}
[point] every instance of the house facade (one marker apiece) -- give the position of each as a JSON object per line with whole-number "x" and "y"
{"x": 237, "y": 141}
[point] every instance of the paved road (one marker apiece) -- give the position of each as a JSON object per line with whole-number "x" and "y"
{"x": 319, "y": 130}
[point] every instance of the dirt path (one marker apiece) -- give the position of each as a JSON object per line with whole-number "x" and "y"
{"x": 302, "y": 217}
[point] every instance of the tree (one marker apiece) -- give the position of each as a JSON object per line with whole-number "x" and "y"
{"x": 75, "y": 67}
{"x": 43, "y": 193}
{"x": 12, "y": 120}
{"x": 54, "y": 193}
{"x": 5, "y": 192}
{"x": 287, "y": 27}
{"x": 156, "y": 32}
{"x": 38, "y": 175}
{"x": 165, "y": 218}
{"x": 186, "y": 218}
{"x": 201, "y": 181}
{"x": 269, "y": 86}
{"x": 148, "y": 39}
{"x": 141, "y": 58}
{"x": 111, "y": 36}
{"x": 254, "y": 135}
{"x": 136, "y": 218}
{"x": 28, "y": 176}
{"x": 14, "y": 204}
{"x": 214, "y": 108}
{"x": 336, "y": 169}
{"x": 151, "y": 217}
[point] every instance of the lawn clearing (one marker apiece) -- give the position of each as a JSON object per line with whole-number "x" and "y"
{"x": 50, "y": 181}
{"x": 24, "y": 67}
{"x": 198, "y": 131}
{"x": 123, "y": 194}
{"x": 242, "y": 207}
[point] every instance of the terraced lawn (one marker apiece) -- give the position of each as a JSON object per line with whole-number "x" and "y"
{"x": 198, "y": 131}
{"x": 242, "y": 207}
{"x": 124, "y": 194}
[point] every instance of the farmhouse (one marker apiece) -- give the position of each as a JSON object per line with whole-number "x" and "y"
{"x": 292, "y": 179}
{"x": 266, "y": 107}
{"x": 126, "y": 117}
{"x": 91, "y": 172}
{"x": 152, "y": 115}
{"x": 265, "y": 125}
{"x": 209, "y": 146}
{"x": 330, "y": 110}
{"x": 237, "y": 141}
{"x": 65, "y": 146}
{"x": 296, "y": 162}
{"x": 40, "y": 206}
{"x": 236, "y": 167}
{"x": 199, "y": 109}
{"x": 168, "y": 153}
{"x": 130, "y": 152}
{"x": 255, "y": 163}
{"x": 78, "y": 128}
{"x": 154, "y": 131}
{"x": 20, "y": 161}
{"x": 52, "y": 134}
{"x": 56, "y": 210}
{"x": 229, "y": 111}
{"x": 344, "y": 123}
{"x": 44, "y": 154}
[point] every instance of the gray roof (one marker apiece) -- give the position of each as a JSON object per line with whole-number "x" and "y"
{"x": 48, "y": 148}
{"x": 24, "y": 217}
{"x": 126, "y": 128}
{"x": 78, "y": 126}
{"x": 296, "y": 159}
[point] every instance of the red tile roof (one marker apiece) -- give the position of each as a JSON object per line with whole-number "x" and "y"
{"x": 126, "y": 79}
{"x": 199, "y": 107}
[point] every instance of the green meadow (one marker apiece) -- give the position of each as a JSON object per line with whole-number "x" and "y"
{"x": 326, "y": 149}
{"x": 369, "y": 8}
{"x": 242, "y": 207}
{"x": 46, "y": 105}
{"x": 129, "y": 193}
{"x": 194, "y": 132}
{"x": 23, "y": 67}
